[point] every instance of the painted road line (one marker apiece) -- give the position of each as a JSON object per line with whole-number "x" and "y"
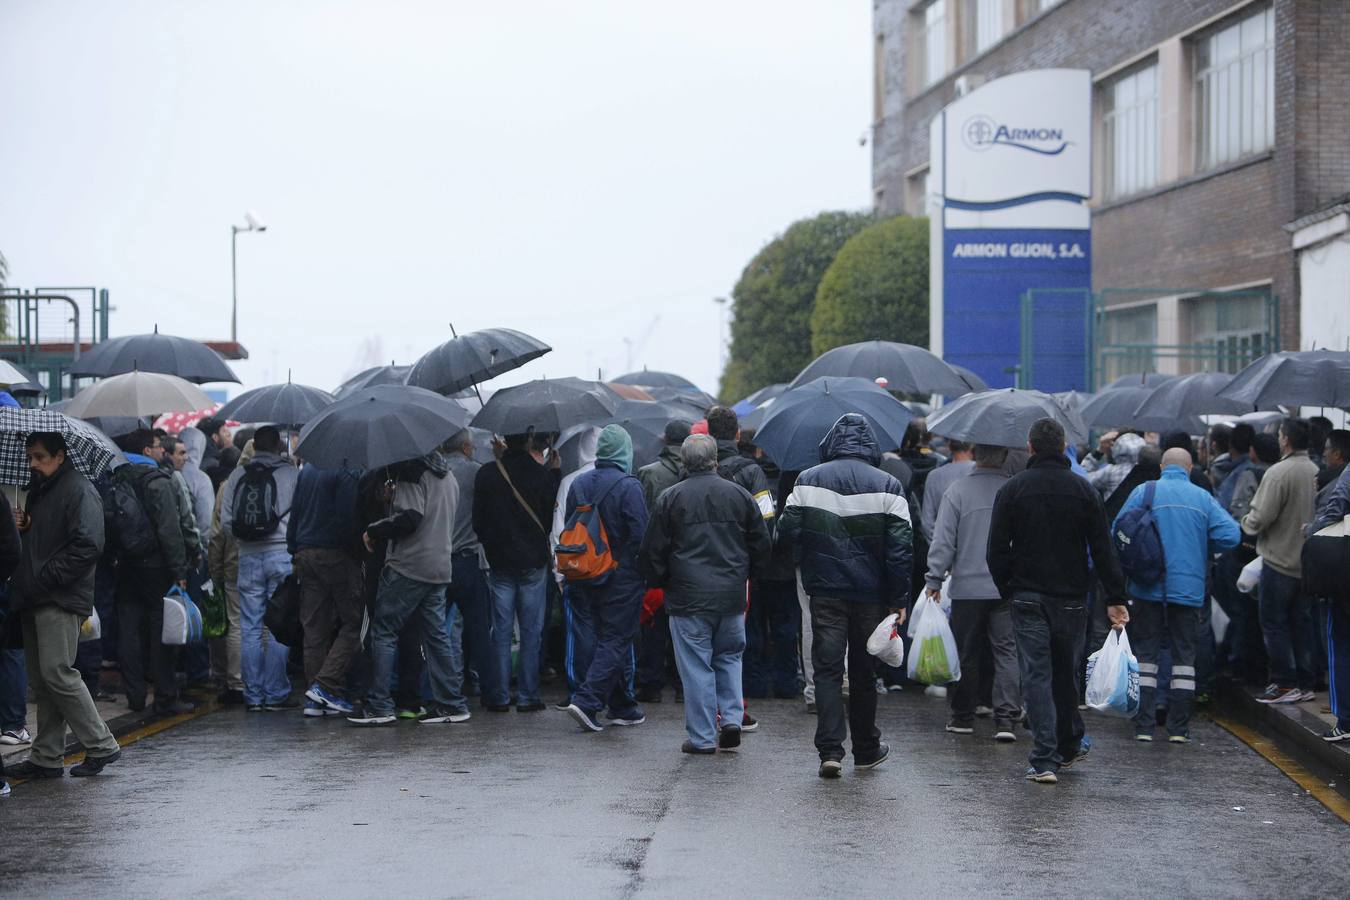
{"x": 141, "y": 733}
{"x": 1315, "y": 786}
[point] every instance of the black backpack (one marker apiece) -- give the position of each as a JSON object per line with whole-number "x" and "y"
{"x": 255, "y": 504}
{"x": 129, "y": 533}
{"x": 1138, "y": 543}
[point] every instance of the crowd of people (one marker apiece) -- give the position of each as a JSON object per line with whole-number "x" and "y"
{"x": 708, "y": 571}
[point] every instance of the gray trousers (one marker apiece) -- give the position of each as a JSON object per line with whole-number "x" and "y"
{"x": 50, "y": 638}
{"x": 225, "y": 650}
{"x": 975, "y": 625}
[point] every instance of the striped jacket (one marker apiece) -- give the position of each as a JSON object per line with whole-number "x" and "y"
{"x": 848, "y": 523}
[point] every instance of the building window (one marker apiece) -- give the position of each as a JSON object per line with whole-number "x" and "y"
{"x": 1235, "y": 90}
{"x": 878, "y": 78}
{"x": 985, "y": 25}
{"x": 934, "y": 41}
{"x": 1129, "y": 344}
{"x": 1130, "y": 132}
{"x": 1227, "y": 332}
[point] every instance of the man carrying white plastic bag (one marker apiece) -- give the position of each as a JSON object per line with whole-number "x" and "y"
{"x": 1191, "y": 526}
{"x": 1113, "y": 677}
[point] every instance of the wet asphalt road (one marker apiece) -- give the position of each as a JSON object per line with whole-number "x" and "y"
{"x": 238, "y": 804}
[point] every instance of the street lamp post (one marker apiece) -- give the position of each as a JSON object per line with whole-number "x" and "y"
{"x": 721, "y": 331}
{"x": 253, "y": 225}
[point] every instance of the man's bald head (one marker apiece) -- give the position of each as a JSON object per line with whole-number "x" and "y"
{"x": 1177, "y": 457}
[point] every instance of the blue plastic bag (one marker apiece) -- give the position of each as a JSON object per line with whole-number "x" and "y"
{"x": 1113, "y": 677}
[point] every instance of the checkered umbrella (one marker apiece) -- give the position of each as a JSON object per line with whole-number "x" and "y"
{"x": 90, "y": 450}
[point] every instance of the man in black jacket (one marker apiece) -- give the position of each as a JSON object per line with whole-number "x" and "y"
{"x": 145, "y": 575}
{"x": 654, "y": 634}
{"x": 513, "y": 501}
{"x": 1045, "y": 521}
{"x": 705, "y": 538}
{"x": 53, "y": 591}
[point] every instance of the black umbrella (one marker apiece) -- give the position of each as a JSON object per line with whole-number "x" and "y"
{"x": 547, "y": 406}
{"x": 163, "y": 354}
{"x": 1003, "y": 418}
{"x": 1144, "y": 379}
{"x": 692, "y": 398}
{"x": 759, "y": 398}
{"x": 801, "y": 418}
{"x": 1115, "y": 408}
{"x": 380, "y": 426}
{"x": 646, "y": 378}
{"x": 286, "y": 404}
{"x": 372, "y": 377}
{"x": 1289, "y": 378}
{"x": 469, "y": 359}
{"x": 907, "y": 369}
{"x": 645, "y": 421}
{"x": 976, "y": 382}
{"x": 1190, "y": 396}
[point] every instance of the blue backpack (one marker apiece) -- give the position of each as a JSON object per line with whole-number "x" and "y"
{"x": 1138, "y": 543}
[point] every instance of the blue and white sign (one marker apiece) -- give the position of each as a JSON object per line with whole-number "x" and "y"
{"x": 1009, "y": 180}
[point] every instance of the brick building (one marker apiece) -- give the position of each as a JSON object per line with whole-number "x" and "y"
{"x": 1221, "y": 156}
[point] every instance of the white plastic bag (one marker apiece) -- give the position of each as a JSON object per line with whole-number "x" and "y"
{"x": 944, "y": 598}
{"x": 886, "y": 644}
{"x": 91, "y": 629}
{"x": 1218, "y": 620}
{"x": 1250, "y": 576}
{"x": 933, "y": 659}
{"x": 1113, "y": 677}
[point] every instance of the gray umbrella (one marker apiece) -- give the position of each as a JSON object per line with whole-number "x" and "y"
{"x": 646, "y": 378}
{"x": 472, "y": 358}
{"x": 1306, "y": 378}
{"x": 1143, "y": 379}
{"x": 547, "y": 406}
{"x": 1115, "y": 408}
{"x": 976, "y": 382}
{"x": 372, "y": 377}
{"x": 907, "y": 369}
{"x": 286, "y": 404}
{"x": 1004, "y": 417}
{"x": 1190, "y": 396}
{"x": 163, "y": 353}
{"x": 138, "y": 394}
{"x": 380, "y": 426}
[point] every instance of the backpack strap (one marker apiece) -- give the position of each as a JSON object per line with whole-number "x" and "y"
{"x": 1150, "y": 490}
{"x": 521, "y": 500}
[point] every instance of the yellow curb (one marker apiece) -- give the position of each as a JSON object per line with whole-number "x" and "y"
{"x": 1315, "y": 786}
{"x": 141, "y": 733}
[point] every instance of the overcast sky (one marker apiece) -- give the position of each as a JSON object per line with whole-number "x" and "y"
{"x": 585, "y": 171}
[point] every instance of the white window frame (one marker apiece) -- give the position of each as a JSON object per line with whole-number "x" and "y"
{"x": 1235, "y": 89}
{"x": 1131, "y": 139}
{"x": 985, "y": 24}
{"x": 933, "y": 37}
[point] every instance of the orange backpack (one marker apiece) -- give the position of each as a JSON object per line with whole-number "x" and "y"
{"x": 583, "y": 552}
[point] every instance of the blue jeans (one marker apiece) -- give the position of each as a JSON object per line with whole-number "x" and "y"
{"x": 579, "y": 616}
{"x": 611, "y": 613}
{"x": 13, "y": 686}
{"x": 262, "y": 659}
{"x": 1050, "y": 632}
{"x": 517, "y": 596}
{"x": 708, "y": 653}
{"x": 1286, "y": 621}
{"x": 468, "y": 594}
{"x": 774, "y": 620}
{"x": 399, "y": 601}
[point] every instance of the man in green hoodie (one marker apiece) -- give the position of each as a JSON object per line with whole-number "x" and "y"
{"x": 613, "y": 600}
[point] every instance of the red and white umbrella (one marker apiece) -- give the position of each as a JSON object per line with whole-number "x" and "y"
{"x": 174, "y": 423}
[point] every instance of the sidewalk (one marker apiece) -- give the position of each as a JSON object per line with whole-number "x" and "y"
{"x": 1297, "y": 728}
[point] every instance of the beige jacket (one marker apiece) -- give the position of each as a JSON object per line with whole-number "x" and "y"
{"x": 1283, "y": 504}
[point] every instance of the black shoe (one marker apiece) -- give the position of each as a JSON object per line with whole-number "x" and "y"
{"x": 536, "y": 706}
{"x": 497, "y": 707}
{"x": 649, "y": 694}
{"x": 230, "y": 697}
{"x": 730, "y": 738}
{"x": 176, "y": 708}
{"x": 136, "y": 705}
{"x": 871, "y": 762}
{"x": 92, "y": 765}
{"x": 689, "y": 747}
{"x": 830, "y": 768}
{"x": 749, "y": 723}
{"x": 282, "y": 705}
{"x": 29, "y": 770}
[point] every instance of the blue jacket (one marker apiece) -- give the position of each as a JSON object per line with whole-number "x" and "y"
{"x": 1192, "y": 526}
{"x": 323, "y": 511}
{"x": 1229, "y": 483}
{"x": 624, "y": 510}
{"x": 847, "y": 522}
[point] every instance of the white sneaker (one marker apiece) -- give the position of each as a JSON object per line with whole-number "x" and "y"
{"x": 983, "y": 712}
{"x": 935, "y": 690}
{"x": 1306, "y": 696}
{"x": 14, "y": 738}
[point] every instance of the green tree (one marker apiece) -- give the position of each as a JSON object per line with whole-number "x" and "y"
{"x": 876, "y": 288}
{"x": 771, "y": 303}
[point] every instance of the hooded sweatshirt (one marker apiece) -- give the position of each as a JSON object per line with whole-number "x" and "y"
{"x": 847, "y": 522}
{"x": 622, "y": 507}
{"x": 961, "y": 535}
{"x": 419, "y": 530}
{"x": 285, "y": 476}
{"x": 198, "y": 482}
{"x": 1124, "y": 455}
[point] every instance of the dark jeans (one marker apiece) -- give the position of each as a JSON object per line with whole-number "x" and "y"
{"x": 403, "y": 600}
{"x": 469, "y": 592}
{"x": 1050, "y": 633}
{"x": 836, "y": 625}
{"x": 1149, "y": 622}
{"x": 1286, "y": 620}
{"x": 331, "y": 610}
{"x": 1338, "y": 660}
{"x": 197, "y": 655}
{"x": 13, "y": 687}
{"x": 140, "y": 621}
{"x": 772, "y": 624}
{"x": 610, "y": 613}
{"x": 651, "y": 651}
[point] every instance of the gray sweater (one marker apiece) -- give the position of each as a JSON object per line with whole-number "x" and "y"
{"x": 961, "y": 536}
{"x": 285, "y": 474}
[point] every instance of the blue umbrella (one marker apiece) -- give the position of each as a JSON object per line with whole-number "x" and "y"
{"x": 801, "y": 418}
{"x": 759, "y": 398}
